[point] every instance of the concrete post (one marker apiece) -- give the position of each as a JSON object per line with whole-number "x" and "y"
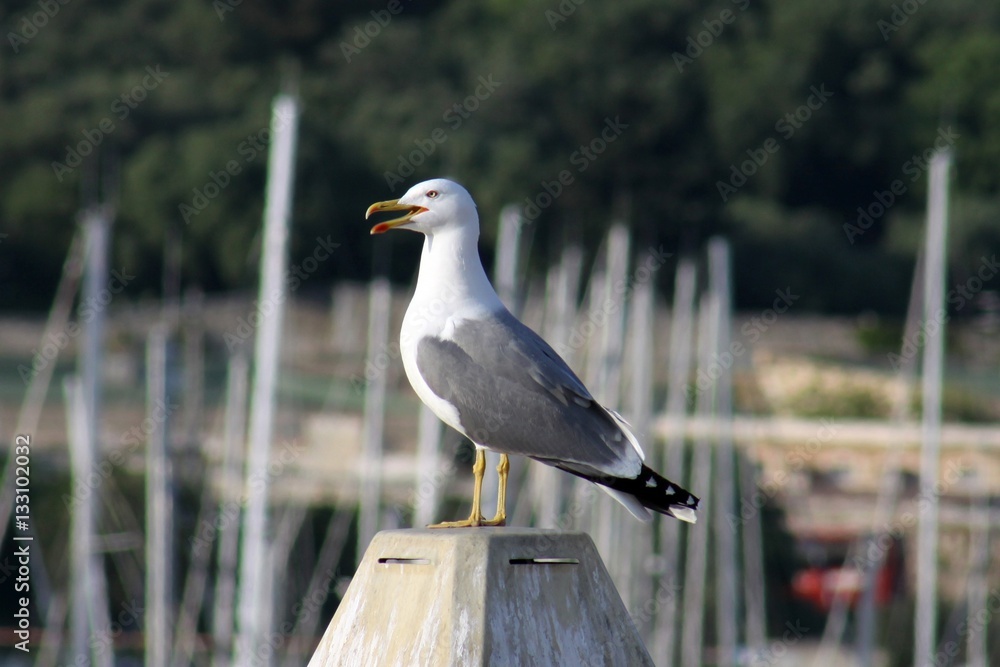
{"x": 481, "y": 596}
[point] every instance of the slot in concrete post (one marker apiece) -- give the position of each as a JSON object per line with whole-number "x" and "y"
{"x": 481, "y": 596}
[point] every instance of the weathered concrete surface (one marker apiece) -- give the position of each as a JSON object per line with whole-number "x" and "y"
{"x": 481, "y": 596}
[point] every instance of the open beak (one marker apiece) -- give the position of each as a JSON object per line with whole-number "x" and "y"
{"x": 392, "y": 205}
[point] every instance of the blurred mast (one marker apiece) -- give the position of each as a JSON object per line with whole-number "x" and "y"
{"x": 727, "y": 591}
{"x": 379, "y": 312}
{"x": 678, "y": 372}
{"x": 159, "y": 580}
{"x": 229, "y": 481}
{"x": 885, "y": 506}
{"x": 608, "y": 315}
{"x": 978, "y": 584}
{"x": 696, "y": 563}
{"x": 561, "y": 292}
{"x": 505, "y": 266}
{"x": 38, "y": 386}
{"x": 426, "y": 490}
{"x": 281, "y": 170}
{"x": 90, "y": 602}
{"x": 925, "y": 622}
{"x": 637, "y": 576}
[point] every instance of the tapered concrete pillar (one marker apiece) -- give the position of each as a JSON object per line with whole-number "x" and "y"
{"x": 481, "y": 596}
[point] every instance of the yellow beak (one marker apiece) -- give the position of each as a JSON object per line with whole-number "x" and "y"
{"x": 392, "y": 205}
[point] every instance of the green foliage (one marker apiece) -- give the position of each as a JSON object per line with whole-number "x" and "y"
{"x": 377, "y": 85}
{"x": 959, "y": 404}
{"x": 878, "y": 336}
{"x": 847, "y": 402}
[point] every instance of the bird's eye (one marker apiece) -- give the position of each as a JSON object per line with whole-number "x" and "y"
{"x": 432, "y": 194}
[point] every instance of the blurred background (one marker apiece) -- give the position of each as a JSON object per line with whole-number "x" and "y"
{"x": 720, "y": 213}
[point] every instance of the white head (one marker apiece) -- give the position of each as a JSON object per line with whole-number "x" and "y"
{"x": 432, "y": 206}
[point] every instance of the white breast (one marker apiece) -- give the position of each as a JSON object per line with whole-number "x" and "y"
{"x": 418, "y": 323}
{"x": 451, "y": 287}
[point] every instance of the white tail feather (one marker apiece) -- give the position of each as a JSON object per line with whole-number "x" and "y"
{"x": 627, "y": 430}
{"x": 631, "y": 503}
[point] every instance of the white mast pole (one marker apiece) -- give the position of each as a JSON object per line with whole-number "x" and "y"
{"x": 281, "y": 171}
{"x": 933, "y": 370}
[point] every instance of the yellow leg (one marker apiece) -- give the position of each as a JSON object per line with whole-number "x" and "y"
{"x": 476, "y": 516}
{"x": 501, "y": 516}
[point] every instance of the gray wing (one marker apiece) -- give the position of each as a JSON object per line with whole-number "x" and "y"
{"x": 514, "y": 394}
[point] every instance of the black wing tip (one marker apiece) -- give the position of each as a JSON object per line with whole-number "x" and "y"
{"x": 657, "y": 493}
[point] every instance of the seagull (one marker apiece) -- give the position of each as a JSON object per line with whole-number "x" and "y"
{"x": 497, "y": 382}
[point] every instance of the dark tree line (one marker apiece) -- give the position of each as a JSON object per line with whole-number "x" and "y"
{"x": 799, "y": 129}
